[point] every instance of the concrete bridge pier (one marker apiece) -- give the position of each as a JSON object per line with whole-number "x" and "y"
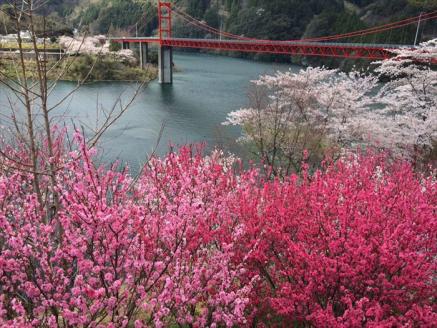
{"x": 165, "y": 63}
{"x": 144, "y": 54}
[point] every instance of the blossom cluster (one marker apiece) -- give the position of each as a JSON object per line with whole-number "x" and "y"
{"x": 399, "y": 114}
{"x": 93, "y": 45}
{"x": 197, "y": 241}
{"x": 154, "y": 252}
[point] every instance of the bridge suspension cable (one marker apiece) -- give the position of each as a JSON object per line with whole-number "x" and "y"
{"x": 369, "y": 31}
{"x": 195, "y": 22}
{"x": 378, "y": 29}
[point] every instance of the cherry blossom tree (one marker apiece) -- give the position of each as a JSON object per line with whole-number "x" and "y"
{"x": 309, "y": 110}
{"x": 316, "y": 109}
{"x": 94, "y": 45}
{"x": 408, "y": 120}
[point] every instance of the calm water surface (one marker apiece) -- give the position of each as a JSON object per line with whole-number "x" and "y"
{"x": 206, "y": 88}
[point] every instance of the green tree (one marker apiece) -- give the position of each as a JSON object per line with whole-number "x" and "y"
{"x": 212, "y": 17}
{"x": 425, "y": 4}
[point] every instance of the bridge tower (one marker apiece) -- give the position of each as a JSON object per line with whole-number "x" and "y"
{"x": 165, "y": 53}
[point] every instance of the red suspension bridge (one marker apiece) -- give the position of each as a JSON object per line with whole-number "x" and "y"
{"x": 328, "y": 46}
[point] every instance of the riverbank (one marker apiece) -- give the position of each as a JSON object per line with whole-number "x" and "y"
{"x": 82, "y": 68}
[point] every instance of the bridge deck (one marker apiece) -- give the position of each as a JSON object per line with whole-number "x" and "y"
{"x": 297, "y": 48}
{"x": 260, "y": 42}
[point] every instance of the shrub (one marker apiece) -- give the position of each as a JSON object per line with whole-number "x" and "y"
{"x": 193, "y": 242}
{"x": 351, "y": 246}
{"x": 114, "y": 46}
{"x": 115, "y": 255}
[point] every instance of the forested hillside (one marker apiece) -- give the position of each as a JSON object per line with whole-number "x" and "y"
{"x": 272, "y": 19}
{"x": 295, "y": 19}
{"x": 267, "y": 19}
{"x": 292, "y": 19}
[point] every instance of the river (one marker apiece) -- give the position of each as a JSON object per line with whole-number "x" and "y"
{"x": 205, "y": 89}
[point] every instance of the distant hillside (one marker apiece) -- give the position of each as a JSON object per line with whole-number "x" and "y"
{"x": 295, "y": 19}
{"x": 272, "y": 19}
{"x": 267, "y": 19}
{"x": 55, "y": 11}
{"x": 292, "y": 19}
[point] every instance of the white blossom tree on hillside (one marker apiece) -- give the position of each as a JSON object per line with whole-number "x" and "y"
{"x": 309, "y": 110}
{"x": 407, "y": 122}
{"x": 317, "y": 109}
